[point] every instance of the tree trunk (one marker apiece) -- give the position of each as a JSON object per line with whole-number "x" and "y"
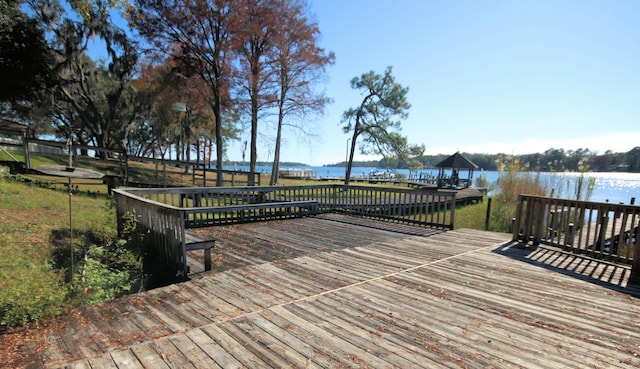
{"x": 351, "y": 153}
{"x": 219, "y": 147}
{"x": 254, "y": 128}
{"x": 276, "y": 156}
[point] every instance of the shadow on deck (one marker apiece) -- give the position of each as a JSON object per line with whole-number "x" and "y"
{"x": 601, "y": 272}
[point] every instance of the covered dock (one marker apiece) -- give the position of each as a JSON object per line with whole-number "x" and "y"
{"x": 450, "y": 172}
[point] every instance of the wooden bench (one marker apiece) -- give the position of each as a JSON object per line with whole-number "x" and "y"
{"x": 216, "y": 215}
{"x": 195, "y": 241}
{"x": 253, "y": 212}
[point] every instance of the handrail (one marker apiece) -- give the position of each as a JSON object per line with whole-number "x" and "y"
{"x": 172, "y": 210}
{"x": 597, "y": 229}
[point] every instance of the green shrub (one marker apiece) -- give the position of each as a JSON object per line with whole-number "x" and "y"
{"x": 102, "y": 283}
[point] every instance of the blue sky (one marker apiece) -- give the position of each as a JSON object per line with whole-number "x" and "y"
{"x": 484, "y": 76}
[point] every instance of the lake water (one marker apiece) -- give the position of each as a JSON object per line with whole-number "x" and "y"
{"x": 614, "y": 187}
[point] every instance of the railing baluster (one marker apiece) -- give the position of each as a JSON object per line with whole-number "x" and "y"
{"x": 598, "y": 229}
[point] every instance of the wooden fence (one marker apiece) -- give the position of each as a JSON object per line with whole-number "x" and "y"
{"x": 601, "y": 230}
{"x": 165, "y": 213}
{"x": 197, "y": 173}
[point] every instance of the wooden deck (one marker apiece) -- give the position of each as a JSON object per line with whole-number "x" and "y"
{"x": 343, "y": 292}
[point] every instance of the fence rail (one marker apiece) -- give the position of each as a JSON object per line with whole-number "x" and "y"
{"x": 197, "y": 173}
{"x": 165, "y": 213}
{"x": 601, "y": 230}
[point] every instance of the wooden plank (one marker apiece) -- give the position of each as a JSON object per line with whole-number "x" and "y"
{"x": 180, "y": 308}
{"x": 261, "y": 297}
{"x": 238, "y": 351}
{"x": 524, "y": 312}
{"x": 222, "y": 358}
{"x": 272, "y": 357}
{"x": 286, "y": 333}
{"x": 272, "y": 339}
{"x": 229, "y": 297}
{"x": 195, "y": 354}
{"x": 123, "y": 359}
{"x": 206, "y": 304}
{"x": 300, "y": 285}
{"x": 276, "y": 285}
{"x": 328, "y": 344}
{"x": 346, "y": 327}
{"x": 104, "y": 361}
{"x": 210, "y": 292}
{"x": 172, "y": 355}
{"x": 148, "y": 356}
{"x": 450, "y": 335}
{"x": 383, "y": 328}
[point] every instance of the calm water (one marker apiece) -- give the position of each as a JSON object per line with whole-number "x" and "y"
{"x": 614, "y": 187}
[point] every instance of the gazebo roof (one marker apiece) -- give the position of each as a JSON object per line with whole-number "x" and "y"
{"x": 457, "y": 160}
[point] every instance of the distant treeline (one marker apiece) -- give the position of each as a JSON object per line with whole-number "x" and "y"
{"x": 552, "y": 160}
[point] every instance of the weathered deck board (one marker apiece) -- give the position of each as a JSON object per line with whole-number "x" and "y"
{"x": 315, "y": 298}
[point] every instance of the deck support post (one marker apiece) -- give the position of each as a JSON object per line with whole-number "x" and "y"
{"x": 634, "y": 278}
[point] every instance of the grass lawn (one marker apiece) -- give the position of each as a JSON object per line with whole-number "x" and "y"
{"x": 34, "y": 241}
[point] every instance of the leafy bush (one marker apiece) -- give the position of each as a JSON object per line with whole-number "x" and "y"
{"x": 110, "y": 268}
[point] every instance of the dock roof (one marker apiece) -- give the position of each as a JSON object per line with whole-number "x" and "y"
{"x": 457, "y": 160}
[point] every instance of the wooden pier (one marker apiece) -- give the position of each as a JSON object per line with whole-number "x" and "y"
{"x": 334, "y": 291}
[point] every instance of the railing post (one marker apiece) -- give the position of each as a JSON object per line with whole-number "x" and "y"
{"x": 539, "y": 210}
{"x": 488, "y": 215}
{"x": 568, "y": 238}
{"x": 552, "y": 229}
{"x": 183, "y": 242}
{"x": 635, "y": 266}
{"x": 453, "y": 211}
{"x": 602, "y": 232}
{"x": 25, "y": 147}
{"x": 517, "y": 219}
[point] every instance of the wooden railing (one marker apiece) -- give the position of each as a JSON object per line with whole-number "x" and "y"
{"x": 601, "y": 230}
{"x": 164, "y": 230}
{"x": 219, "y": 205}
{"x": 156, "y": 175}
{"x": 165, "y": 213}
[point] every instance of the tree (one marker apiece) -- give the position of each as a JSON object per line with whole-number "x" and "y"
{"x": 199, "y": 31}
{"x": 300, "y": 64}
{"x": 632, "y": 159}
{"x": 25, "y": 62}
{"x": 377, "y": 119}
{"x": 255, "y": 27}
{"x": 93, "y": 101}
